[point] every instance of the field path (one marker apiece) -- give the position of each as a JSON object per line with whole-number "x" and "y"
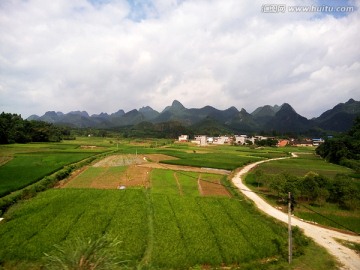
{"x": 322, "y": 236}
{"x": 178, "y": 184}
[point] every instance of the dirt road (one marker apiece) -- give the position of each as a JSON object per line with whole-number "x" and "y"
{"x": 324, "y": 237}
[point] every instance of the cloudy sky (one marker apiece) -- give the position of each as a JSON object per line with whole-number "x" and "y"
{"x": 106, "y": 55}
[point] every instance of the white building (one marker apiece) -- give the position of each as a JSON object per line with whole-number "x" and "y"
{"x": 221, "y": 140}
{"x": 241, "y": 139}
{"x": 183, "y": 138}
{"x": 200, "y": 140}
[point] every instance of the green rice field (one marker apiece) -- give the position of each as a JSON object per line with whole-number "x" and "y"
{"x": 168, "y": 225}
{"x": 25, "y": 169}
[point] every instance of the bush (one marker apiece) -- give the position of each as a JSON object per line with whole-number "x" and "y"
{"x": 300, "y": 241}
{"x": 85, "y": 254}
{"x": 351, "y": 163}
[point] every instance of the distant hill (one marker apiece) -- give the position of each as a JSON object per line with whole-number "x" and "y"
{"x": 339, "y": 118}
{"x": 209, "y": 120}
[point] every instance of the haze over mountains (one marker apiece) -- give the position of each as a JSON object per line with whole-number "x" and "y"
{"x": 266, "y": 118}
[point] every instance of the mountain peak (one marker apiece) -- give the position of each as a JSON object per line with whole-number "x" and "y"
{"x": 81, "y": 113}
{"x": 176, "y": 104}
{"x": 287, "y": 108}
{"x": 233, "y": 109}
{"x": 145, "y": 109}
{"x": 148, "y": 112}
{"x": 350, "y": 101}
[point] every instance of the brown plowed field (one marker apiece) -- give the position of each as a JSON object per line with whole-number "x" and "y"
{"x": 214, "y": 188}
{"x": 183, "y": 168}
{"x": 135, "y": 176}
{"x": 137, "y": 173}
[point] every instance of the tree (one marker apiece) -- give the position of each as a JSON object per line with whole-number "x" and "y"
{"x": 13, "y": 129}
{"x": 313, "y": 187}
{"x": 344, "y": 149}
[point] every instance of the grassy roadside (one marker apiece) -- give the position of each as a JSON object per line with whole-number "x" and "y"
{"x": 325, "y": 213}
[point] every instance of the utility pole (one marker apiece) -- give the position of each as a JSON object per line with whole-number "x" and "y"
{"x": 289, "y": 228}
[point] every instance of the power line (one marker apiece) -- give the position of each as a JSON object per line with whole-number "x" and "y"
{"x": 345, "y": 227}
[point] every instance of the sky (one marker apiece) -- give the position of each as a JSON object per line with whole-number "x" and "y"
{"x": 105, "y": 55}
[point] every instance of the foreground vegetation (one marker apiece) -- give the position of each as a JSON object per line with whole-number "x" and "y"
{"x": 13, "y": 129}
{"x": 343, "y": 149}
{"x": 156, "y": 230}
{"x": 325, "y": 193}
{"x": 146, "y": 228}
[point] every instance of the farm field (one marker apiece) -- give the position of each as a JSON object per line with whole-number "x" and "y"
{"x": 25, "y": 169}
{"x": 165, "y": 218}
{"x": 125, "y": 171}
{"x": 327, "y": 214}
{"x": 304, "y": 163}
{"x": 156, "y": 229}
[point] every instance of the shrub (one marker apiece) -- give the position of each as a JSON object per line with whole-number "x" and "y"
{"x": 85, "y": 254}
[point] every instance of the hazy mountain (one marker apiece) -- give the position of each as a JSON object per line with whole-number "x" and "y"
{"x": 80, "y": 113}
{"x": 266, "y": 110}
{"x": 264, "y": 114}
{"x": 243, "y": 122}
{"x": 340, "y": 117}
{"x": 175, "y": 112}
{"x": 119, "y": 113}
{"x": 288, "y": 120}
{"x": 267, "y": 118}
{"x": 211, "y": 127}
{"x": 33, "y": 117}
{"x": 51, "y": 117}
{"x": 149, "y": 113}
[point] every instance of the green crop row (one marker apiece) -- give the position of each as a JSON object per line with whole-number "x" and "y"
{"x": 219, "y": 236}
{"x": 211, "y": 160}
{"x": 60, "y": 216}
{"x": 163, "y": 181}
{"x": 187, "y": 231}
{"x": 302, "y": 165}
{"x": 26, "y": 169}
{"x": 188, "y": 183}
{"x": 44, "y": 183}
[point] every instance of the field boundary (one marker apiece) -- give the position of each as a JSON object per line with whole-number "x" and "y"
{"x": 184, "y": 168}
{"x": 48, "y": 181}
{"x": 5, "y": 159}
{"x": 150, "y": 239}
{"x": 178, "y": 183}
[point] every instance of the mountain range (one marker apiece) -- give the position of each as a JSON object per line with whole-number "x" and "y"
{"x": 280, "y": 119}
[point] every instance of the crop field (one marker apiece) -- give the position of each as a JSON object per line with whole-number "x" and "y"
{"x": 165, "y": 218}
{"x": 303, "y": 164}
{"x": 24, "y": 164}
{"x": 327, "y": 214}
{"x": 212, "y": 160}
{"x": 221, "y": 157}
{"x": 24, "y": 169}
{"x": 221, "y": 230}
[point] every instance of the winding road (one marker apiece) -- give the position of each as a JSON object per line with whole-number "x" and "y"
{"x": 348, "y": 258}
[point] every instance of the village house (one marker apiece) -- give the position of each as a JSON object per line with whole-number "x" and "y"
{"x": 200, "y": 140}
{"x": 317, "y": 142}
{"x": 283, "y": 143}
{"x": 240, "y": 139}
{"x": 183, "y": 138}
{"x": 302, "y": 142}
{"x": 221, "y": 140}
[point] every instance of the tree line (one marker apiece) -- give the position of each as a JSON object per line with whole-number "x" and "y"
{"x": 14, "y": 129}
{"x": 313, "y": 188}
{"x": 343, "y": 149}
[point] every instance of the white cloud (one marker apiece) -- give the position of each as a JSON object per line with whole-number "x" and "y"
{"x": 109, "y": 55}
